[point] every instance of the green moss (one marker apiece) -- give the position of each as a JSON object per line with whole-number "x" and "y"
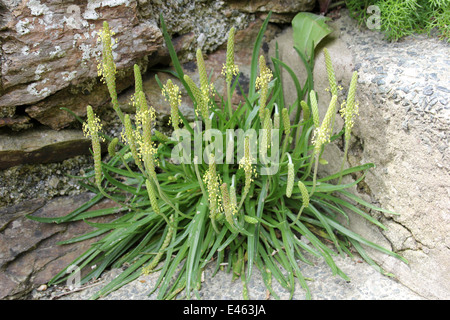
{"x": 400, "y": 18}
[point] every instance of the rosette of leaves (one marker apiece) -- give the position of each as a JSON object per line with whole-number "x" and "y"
{"x": 175, "y": 219}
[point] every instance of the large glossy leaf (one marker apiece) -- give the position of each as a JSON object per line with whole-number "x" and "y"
{"x": 309, "y": 29}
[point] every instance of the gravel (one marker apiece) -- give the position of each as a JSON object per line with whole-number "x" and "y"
{"x": 365, "y": 284}
{"x": 45, "y": 181}
{"x": 412, "y": 72}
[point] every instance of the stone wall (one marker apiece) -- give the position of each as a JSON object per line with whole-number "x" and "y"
{"x": 403, "y": 128}
{"x": 49, "y": 48}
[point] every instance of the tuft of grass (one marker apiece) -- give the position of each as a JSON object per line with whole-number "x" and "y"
{"x": 183, "y": 209}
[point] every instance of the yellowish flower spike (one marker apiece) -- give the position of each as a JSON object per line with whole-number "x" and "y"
{"x": 212, "y": 182}
{"x": 314, "y": 108}
{"x": 137, "y": 79}
{"x": 143, "y": 136}
{"x": 267, "y": 128}
{"x": 161, "y": 136}
{"x": 351, "y": 108}
{"x": 230, "y": 69}
{"x": 137, "y": 85}
{"x": 348, "y": 113}
{"x": 246, "y": 163}
{"x": 330, "y": 73}
{"x": 290, "y": 177}
{"x": 262, "y": 83}
{"x": 172, "y": 93}
{"x": 107, "y": 68}
{"x": 205, "y": 89}
{"x": 91, "y": 129}
{"x": 322, "y": 134}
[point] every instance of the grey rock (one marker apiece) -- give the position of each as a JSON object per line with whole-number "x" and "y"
{"x": 41, "y": 146}
{"x": 428, "y": 90}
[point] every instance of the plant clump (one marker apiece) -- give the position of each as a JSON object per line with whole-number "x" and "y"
{"x": 236, "y": 187}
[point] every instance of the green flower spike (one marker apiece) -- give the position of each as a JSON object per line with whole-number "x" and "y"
{"x": 349, "y": 112}
{"x": 161, "y": 136}
{"x": 314, "y": 108}
{"x": 228, "y": 207}
{"x": 112, "y": 147}
{"x": 229, "y": 68}
{"x": 171, "y": 92}
{"x": 106, "y": 69}
{"x": 305, "y": 200}
{"x": 290, "y": 177}
{"x": 322, "y": 136}
{"x": 137, "y": 79}
{"x": 204, "y": 86}
{"x": 330, "y": 73}
{"x": 152, "y": 197}
{"x": 137, "y": 86}
{"x": 212, "y": 182}
{"x": 286, "y": 121}
{"x": 351, "y": 108}
{"x": 233, "y": 199}
{"x": 267, "y": 131}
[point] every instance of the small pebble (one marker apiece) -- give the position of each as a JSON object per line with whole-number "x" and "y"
{"x": 42, "y": 287}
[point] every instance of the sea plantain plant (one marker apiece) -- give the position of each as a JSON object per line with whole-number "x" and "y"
{"x": 236, "y": 187}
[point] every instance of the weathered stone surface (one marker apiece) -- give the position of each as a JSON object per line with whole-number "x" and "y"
{"x": 49, "y": 47}
{"x": 411, "y": 175}
{"x": 29, "y": 253}
{"x": 50, "y": 50}
{"x": 282, "y": 10}
{"x": 41, "y": 146}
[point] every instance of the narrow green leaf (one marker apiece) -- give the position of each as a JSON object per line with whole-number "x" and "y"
{"x": 193, "y": 242}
